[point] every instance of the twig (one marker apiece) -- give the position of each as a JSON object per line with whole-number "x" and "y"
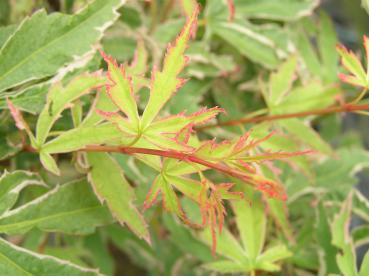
{"x": 268, "y": 118}
{"x": 188, "y": 157}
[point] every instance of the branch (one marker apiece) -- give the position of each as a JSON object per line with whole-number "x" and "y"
{"x": 187, "y": 157}
{"x": 268, "y": 118}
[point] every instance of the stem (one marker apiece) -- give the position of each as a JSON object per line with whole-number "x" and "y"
{"x": 154, "y": 16}
{"x": 172, "y": 154}
{"x": 268, "y": 118}
{"x": 361, "y": 95}
{"x": 167, "y": 9}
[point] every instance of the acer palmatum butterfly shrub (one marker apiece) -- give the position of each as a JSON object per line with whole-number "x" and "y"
{"x": 233, "y": 188}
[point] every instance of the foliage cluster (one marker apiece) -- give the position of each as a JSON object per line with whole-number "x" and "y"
{"x": 107, "y": 148}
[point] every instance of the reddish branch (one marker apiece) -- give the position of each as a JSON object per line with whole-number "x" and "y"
{"x": 188, "y": 157}
{"x": 268, "y": 118}
{"x": 271, "y": 188}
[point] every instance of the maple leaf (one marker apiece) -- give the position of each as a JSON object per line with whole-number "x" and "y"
{"x": 164, "y": 83}
{"x": 358, "y": 76}
{"x": 212, "y": 206}
{"x": 169, "y": 133}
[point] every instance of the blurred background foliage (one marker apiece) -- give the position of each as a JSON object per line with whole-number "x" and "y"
{"x": 237, "y": 62}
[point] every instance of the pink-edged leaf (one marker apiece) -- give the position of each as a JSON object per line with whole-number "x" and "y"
{"x": 187, "y": 7}
{"x": 138, "y": 65}
{"x": 351, "y": 62}
{"x": 273, "y": 156}
{"x": 224, "y": 191}
{"x": 153, "y": 193}
{"x": 176, "y": 123}
{"x": 163, "y": 142}
{"x": 211, "y": 150}
{"x": 169, "y": 197}
{"x": 242, "y": 147}
{"x": 212, "y": 207}
{"x": 120, "y": 89}
{"x": 350, "y": 79}
{"x": 231, "y": 9}
{"x": 121, "y": 123}
{"x": 164, "y": 83}
{"x": 269, "y": 187}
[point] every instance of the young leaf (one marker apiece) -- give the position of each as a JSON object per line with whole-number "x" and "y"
{"x": 15, "y": 260}
{"x": 71, "y": 208}
{"x": 11, "y": 184}
{"x": 358, "y": 76}
{"x": 170, "y": 200}
{"x": 111, "y": 187}
{"x": 59, "y": 98}
{"x": 80, "y": 137}
{"x": 56, "y": 38}
{"x": 164, "y": 83}
{"x": 120, "y": 90}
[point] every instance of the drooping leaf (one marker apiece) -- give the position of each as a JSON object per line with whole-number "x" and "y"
{"x": 15, "y": 260}
{"x": 56, "y": 38}
{"x": 110, "y": 186}
{"x": 11, "y": 184}
{"x": 70, "y": 208}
